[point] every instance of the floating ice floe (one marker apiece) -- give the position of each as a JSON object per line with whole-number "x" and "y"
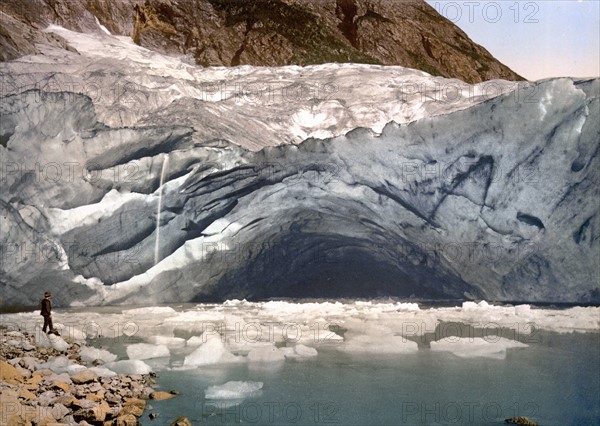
{"x": 268, "y": 354}
{"x": 194, "y": 341}
{"x": 233, "y": 390}
{"x": 378, "y": 344}
{"x": 466, "y": 347}
{"x": 89, "y": 354}
{"x": 212, "y": 351}
{"x": 147, "y": 351}
{"x": 129, "y": 366}
{"x": 299, "y": 352}
{"x": 243, "y": 347}
{"x": 170, "y": 342}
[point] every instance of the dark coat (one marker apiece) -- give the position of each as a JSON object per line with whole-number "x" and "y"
{"x": 46, "y": 307}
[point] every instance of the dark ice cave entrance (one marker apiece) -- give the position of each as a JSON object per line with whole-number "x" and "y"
{"x": 336, "y": 266}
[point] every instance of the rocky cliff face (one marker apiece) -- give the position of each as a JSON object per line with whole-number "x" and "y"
{"x": 264, "y": 32}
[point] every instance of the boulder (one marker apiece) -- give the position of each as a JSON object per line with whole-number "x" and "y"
{"x": 84, "y": 376}
{"x": 181, "y": 421}
{"x": 126, "y": 420}
{"x": 27, "y": 395}
{"x": 97, "y": 413}
{"x": 59, "y": 411}
{"x": 521, "y": 421}
{"x": 158, "y": 395}
{"x": 61, "y": 385}
{"x": 10, "y": 374}
{"x": 133, "y": 406}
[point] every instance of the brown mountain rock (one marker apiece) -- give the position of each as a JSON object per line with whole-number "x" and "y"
{"x": 263, "y": 32}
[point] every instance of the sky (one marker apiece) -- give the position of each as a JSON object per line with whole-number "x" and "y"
{"x": 536, "y": 39}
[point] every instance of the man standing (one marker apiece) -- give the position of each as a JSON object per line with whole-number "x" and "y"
{"x": 47, "y": 312}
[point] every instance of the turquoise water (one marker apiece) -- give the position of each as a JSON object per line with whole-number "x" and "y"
{"x": 555, "y": 381}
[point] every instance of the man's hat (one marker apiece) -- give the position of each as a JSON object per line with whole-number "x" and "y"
{"x": 47, "y": 294}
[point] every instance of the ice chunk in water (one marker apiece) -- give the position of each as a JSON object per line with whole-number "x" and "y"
{"x": 194, "y": 341}
{"x": 299, "y": 351}
{"x": 129, "y": 366}
{"x": 234, "y": 390}
{"x": 103, "y": 372}
{"x": 212, "y": 351}
{"x": 243, "y": 347}
{"x": 465, "y": 347}
{"x": 89, "y": 354}
{"x": 383, "y": 345}
{"x": 266, "y": 354}
{"x": 147, "y": 351}
{"x": 170, "y": 342}
{"x": 305, "y": 351}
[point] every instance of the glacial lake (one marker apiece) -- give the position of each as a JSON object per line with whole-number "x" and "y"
{"x": 555, "y": 382}
{"x": 392, "y": 376}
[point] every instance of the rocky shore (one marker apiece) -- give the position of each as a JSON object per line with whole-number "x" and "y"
{"x": 46, "y": 385}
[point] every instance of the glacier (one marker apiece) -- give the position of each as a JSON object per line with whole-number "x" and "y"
{"x": 323, "y": 181}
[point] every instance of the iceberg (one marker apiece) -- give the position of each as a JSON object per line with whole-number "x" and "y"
{"x": 169, "y": 342}
{"x": 487, "y": 347}
{"x": 128, "y": 366}
{"x": 267, "y": 354}
{"x": 299, "y": 352}
{"x": 194, "y": 341}
{"x": 147, "y": 351}
{"x": 378, "y": 345}
{"x": 210, "y": 352}
{"x": 90, "y": 354}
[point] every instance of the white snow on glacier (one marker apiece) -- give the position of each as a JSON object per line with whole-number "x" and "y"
{"x": 250, "y": 106}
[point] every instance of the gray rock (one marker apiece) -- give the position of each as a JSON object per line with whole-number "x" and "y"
{"x": 14, "y": 361}
{"x": 47, "y": 398}
{"x": 69, "y": 420}
{"x": 63, "y": 377}
{"x": 24, "y": 371}
{"x": 59, "y": 411}
{"x": 95, "y": 387}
